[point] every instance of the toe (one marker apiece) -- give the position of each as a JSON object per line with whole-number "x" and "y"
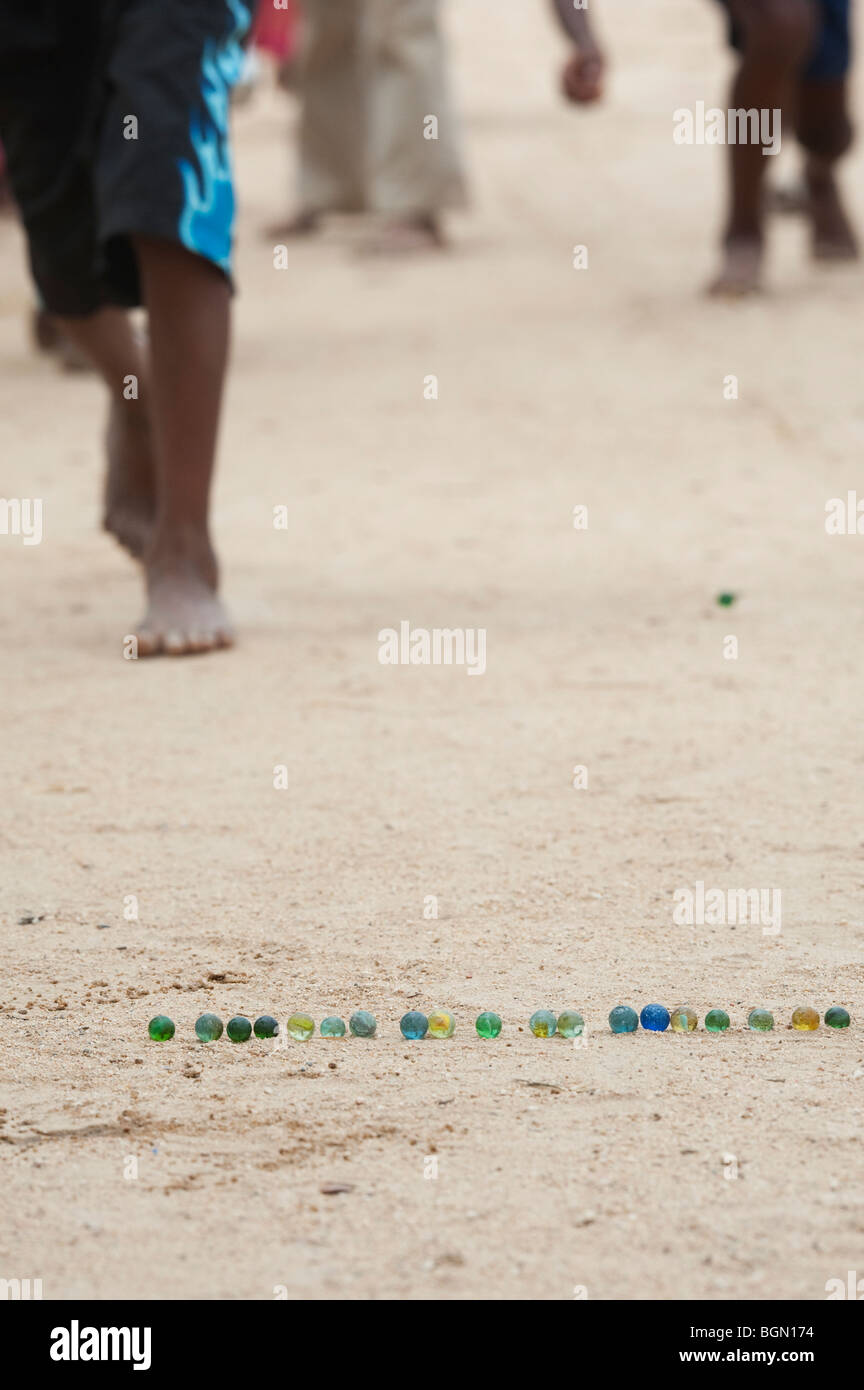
{"x": 175, "y": 643}
{"x": 148, "y": 642}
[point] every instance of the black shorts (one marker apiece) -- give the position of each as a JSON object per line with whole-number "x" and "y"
{"x": 114, "y": 119}
{"x": 832, "y": 52}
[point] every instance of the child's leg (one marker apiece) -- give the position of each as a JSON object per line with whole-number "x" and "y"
{"x": 106, "y": 337}
{"x": 825, "y": 131}
{"x": 188, "y": 302}
{"x": 777, "y": 36}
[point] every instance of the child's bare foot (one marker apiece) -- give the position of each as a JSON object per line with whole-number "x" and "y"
{"x": 833, "y": 237}
{"x": 404, "y": 235}
{"x": 741, "y": 271}
{"x": 184, "y": 614}
{"x": 130, "y": 486}
{"x": 48, "y": 336}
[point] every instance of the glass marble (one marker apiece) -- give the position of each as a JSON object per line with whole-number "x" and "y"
{"x": 805, "y": 1020}
{"x": 239, "y": 1029}
{"x": 160, "y": 1028}
{"x": 300, "y": 1027}
{"x": 543, "y": 1024}
{"x": 362, "y": 1024}
{"x": 570, "y": 1024}
{"x": 761, "y": 1021}
{"x": 726, "y": 599}
{"x": 623, "y": 1019}
{"x": 837, "y": 1017}
{"x": 332, "y": 1027}
{"x": 414, "y": 1025}
{"x": 441, "y": 1024}
{"x": 716, "y": 1021}
{"x": 209, "y": 1027}
{"x": 266, "y": 1027}
{"x": 683, "y": 1021}
{"x": 488, "y": 1025}
{"x": 655, "y": 1018}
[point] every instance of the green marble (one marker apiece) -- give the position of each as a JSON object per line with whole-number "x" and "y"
{"x": 570, "y": 1024}
{"x": 543, "y": 1024}
{"x": 362, "y": 1024}
{"x": 300, "y": 1027}
{"x": 209, "y": 1028}
{"x": 837, "y": 1017}
{"x": 239, "y": 1029}
{"x": 488, "y": 1025}
{"x": 160, "y": 1028}
{"x": 726, "y": 599}
{"x": 716, "y": 1021}
{"x": 266, "y": 1027}
{"x": 332, "y": 1027}
{"x": 761, "y": 1021}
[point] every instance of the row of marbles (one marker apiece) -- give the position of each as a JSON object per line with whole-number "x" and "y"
{"x": 654, "y": 1018}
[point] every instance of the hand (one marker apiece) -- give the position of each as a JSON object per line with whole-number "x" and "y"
{"x": 582, "y": 78}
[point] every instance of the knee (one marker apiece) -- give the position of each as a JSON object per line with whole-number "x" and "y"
{"x": 779, "y": 32}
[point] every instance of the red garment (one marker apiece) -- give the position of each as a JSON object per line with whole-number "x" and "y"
{"x": 277, "y": 31}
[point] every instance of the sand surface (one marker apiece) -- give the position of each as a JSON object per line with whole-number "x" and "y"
{"x": 650, "y": 1166}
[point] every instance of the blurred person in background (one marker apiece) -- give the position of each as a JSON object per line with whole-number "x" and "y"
{"x": 377, "y": 132}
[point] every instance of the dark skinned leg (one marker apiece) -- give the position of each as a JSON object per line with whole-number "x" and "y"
{"x": 825, "y": 131}
{"x": 188, "y": 303}
{"x": 107, "y": 339}
{"x": 778, "y": 35}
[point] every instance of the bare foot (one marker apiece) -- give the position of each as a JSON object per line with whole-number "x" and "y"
{"x": 130, "y": 483}
{"x": 185, "y": 614}
{"x": 741, "y": 271}
{"x": 49, "y": 337}
{"x": 302, "y": 224}
{"x": 405, "y": 235}
{"x": 833, "y": 237}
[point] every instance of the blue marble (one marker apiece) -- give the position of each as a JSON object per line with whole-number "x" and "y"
{"x": 654, "y": 1017}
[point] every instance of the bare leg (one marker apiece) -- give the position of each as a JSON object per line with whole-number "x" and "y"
{"x": 107, "y": 339}
{"x": 188, "y": 302}
{"x": 825, "y": 131}
{"x": 778, "y": 35}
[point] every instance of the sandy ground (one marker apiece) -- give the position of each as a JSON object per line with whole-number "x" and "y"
{"x": 651, "y": 1166}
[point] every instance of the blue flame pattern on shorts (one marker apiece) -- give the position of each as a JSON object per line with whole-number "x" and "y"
{"x": 207, "y": 219}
